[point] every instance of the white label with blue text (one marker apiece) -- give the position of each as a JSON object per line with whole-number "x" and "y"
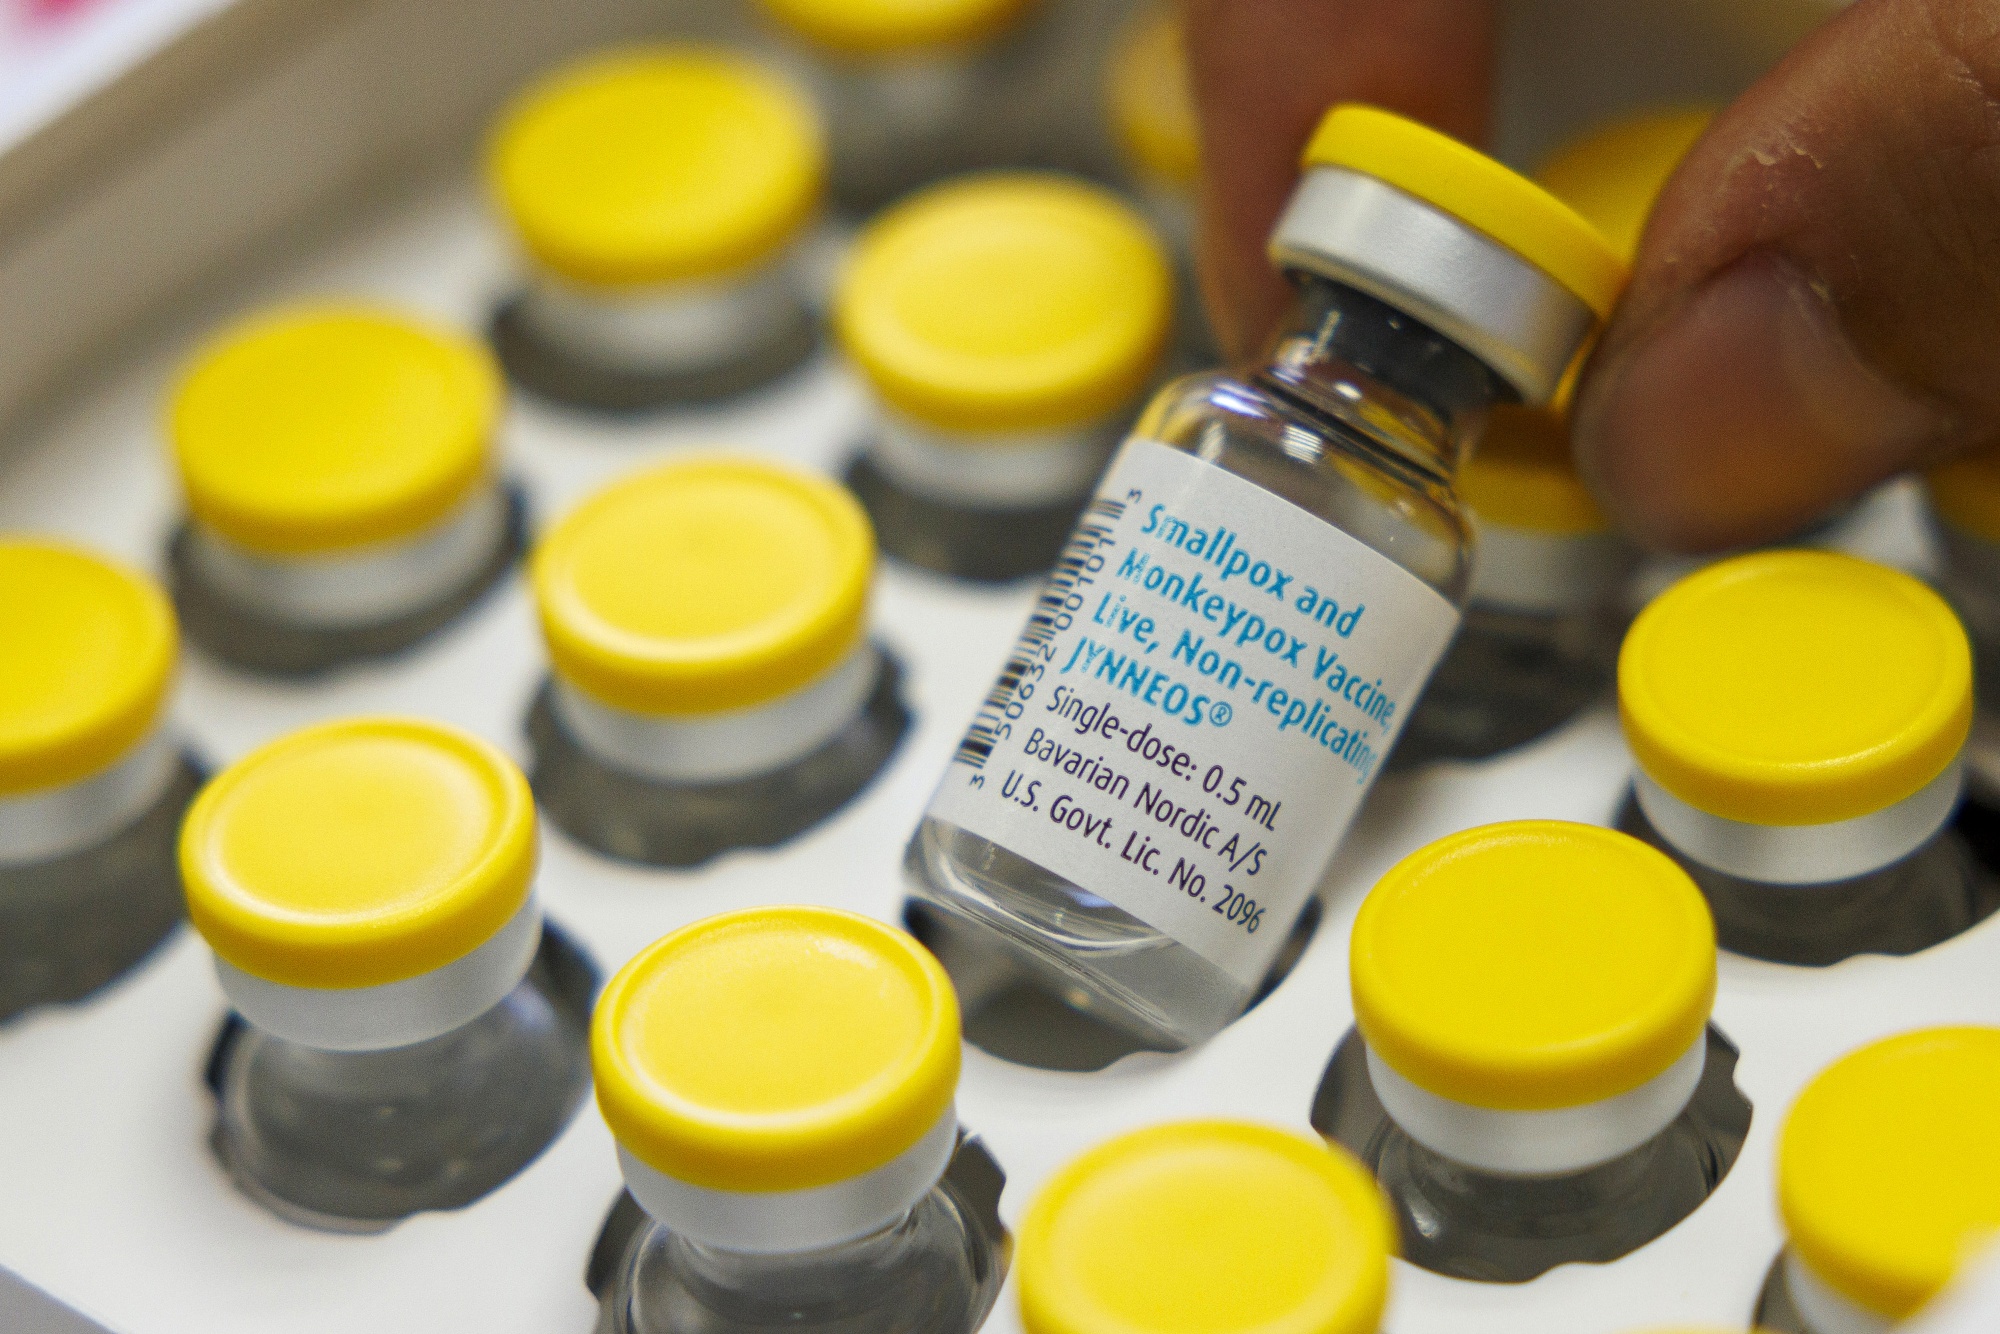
{"x": 1204, "y": 692}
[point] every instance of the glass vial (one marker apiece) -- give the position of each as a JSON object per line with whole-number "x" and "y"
{"x": 780, "y": 1082}
{"x": 1252, "y": 603}
{"x": 1534, "y": 1001}
{"x": 713, "y": 682}
{"x": 1252, "y": 1226}
{"x": 92, "y": 780}
{"x": 911, "y": 91}
{"x": 659, "y": 196}
{"x": 1797, "y": 719}
{"x": 1005, "y": 326}
{"x": 342, "y": 483}
{"x": 1540, "y": 639}
{"x": 1888, "y": 1182}
{"x": 1150, "y": 109}
{"x": 367, "y": 887}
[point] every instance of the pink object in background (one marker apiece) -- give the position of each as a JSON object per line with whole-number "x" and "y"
{"x": 48, "y": 11}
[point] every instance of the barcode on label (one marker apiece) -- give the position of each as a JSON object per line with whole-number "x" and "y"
{"x": 1048, "y": 619}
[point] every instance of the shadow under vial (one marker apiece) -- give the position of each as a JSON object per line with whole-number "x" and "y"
{"x": 1512, "y": 1243}
{"x": 1020, "y": 1019}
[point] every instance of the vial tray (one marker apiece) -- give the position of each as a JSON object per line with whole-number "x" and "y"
{"x": 355, "y": 123}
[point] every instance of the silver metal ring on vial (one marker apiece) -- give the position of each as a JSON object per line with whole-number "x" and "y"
{"x": 994, "y": 472}
{"x": 1809, "y": 854}
{"x": 54, "y": 822}
{"x": 719, "y": 747}
{"x": 665, "y": 328}
{"x": 1517, "y": 569}
{"x": 364, "y": 585}
{"x": 783, "y": 1221}
{"x": 394, "y": 1014}
{"x": 1368, "y": 234}
{"x": 1539, "y": 1143}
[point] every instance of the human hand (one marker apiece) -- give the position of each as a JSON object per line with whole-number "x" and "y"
{"x": 1815, "y": 306}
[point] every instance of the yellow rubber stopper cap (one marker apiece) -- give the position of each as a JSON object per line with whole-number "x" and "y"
{"x": 1613, "y": 175}
{"x": 1795, "y": 688}
{"x": 663, "y": 164}
{"x": 87, "y": 652}
{"x": 775, "y": 1049}
{"x": 1889, "y": 1166}
{"x": 1533, "y": 965}
{"x": 891, "y": 27}
{"x": 319, "y": 429}
{"x": 358, "y": 853}
{"x": 706, "y": 585}
{"x": 1505, "y": 206}
{"x": 1965, "y": 493}
{"x": 1147, "y": 95}
{"x": 1005, "y": 303}
{"x": 1207, "y": 1227}
{"x": 1521, "y": 476}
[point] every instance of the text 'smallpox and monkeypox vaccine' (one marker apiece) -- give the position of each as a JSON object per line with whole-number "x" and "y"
{"x": 1253, "y": 599}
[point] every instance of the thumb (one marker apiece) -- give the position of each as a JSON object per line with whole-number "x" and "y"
{"x": 1816, "y": 301}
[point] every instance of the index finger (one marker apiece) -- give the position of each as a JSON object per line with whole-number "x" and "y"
{"x": 1263, "y": 71}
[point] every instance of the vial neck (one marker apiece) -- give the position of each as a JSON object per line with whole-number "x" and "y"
{"x": 1562, "y": 1195}
{"x": 1401, "y": 384}
{"x": 796, "y": 1279}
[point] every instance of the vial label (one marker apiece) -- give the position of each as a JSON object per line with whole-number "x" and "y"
{"x": 1202, "y": 695}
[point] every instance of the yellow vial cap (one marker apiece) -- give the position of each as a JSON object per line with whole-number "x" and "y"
{"x": 1795, "y": 688}
{"x": 87, "y": 652}
{"x": 1612, "y": 175}
{"x": 657, "y": 165}
{"x": 775, "y": 1049}
{"x": 357, "y": 853}
{"x": 1207, "y": 1227}
{"x": 1533, "y": 965}
{"x": 323, "y": 428}
{"x": 891, "y": 27}
{"x": 1521, "y": 475}
{"x": 1502, "y": 204}
{"x": 705, "y": 585}
{"x": 1966, "y": 494}
{"x": 1007, "y": 303}
{"x": 1889, "y": 1166}
{"x": 1151, "y": 106}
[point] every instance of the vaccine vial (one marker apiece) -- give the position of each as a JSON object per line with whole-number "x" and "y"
{"x": 659, "y": 197}
{"x": 1797, "y": 719}
{"x": 1534, "y": 997}
{"x": 92, "y": 778}
{"x": 1150, "y": 110}
{"x": 781, "y": 1084}
{"x": 1005, "y": 326}
{"x": 1888, "y": 1182}
{"x": 1614, "y": 174}
{"x": 343, "y": 490}
{"x": 1250, "y": 1226}
{"x": 1965, "y": 521}
{"x": 367, "y": 887}
{"x": 912, "y": 91}
{"x": 1252, "y": 602}
{"x": 1540, "y": 638}
{"x": 713, "y": 682}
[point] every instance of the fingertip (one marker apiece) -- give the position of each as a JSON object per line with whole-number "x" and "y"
{"x": 1742, "y": 415}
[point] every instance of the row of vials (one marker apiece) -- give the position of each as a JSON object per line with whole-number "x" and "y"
{"x": 1532, "y": 1003}
{"x": 1250, "y": 605}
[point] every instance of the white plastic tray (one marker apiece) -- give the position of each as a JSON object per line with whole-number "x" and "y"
{"x": 110, "y": 1200}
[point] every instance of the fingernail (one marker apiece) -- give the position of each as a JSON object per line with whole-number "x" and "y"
{"x": 1745, "y": 415}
